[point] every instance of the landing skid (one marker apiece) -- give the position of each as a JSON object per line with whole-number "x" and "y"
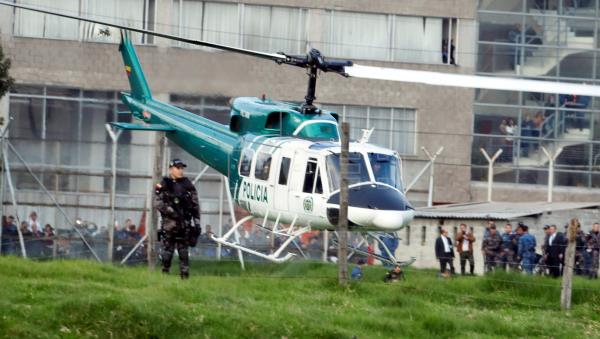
{"x": 390, "y": 259}
{"x": 276, "y": 257}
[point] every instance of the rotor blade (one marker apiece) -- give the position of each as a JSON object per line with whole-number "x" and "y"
{"x": 272, "y": 56}
{"x": 470, "y": 81}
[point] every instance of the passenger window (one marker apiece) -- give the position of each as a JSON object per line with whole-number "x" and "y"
{"x": 284, "y": 170}
{"x": 246, "y": 162}
{"x": 309, "y": 176}
{"x": 318, "y": 185}
{"x": 263, "y": 166}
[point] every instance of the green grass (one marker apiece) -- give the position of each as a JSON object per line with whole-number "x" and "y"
{"x": 75, "y": 299}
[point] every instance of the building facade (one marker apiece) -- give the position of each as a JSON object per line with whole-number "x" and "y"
{"x": 68, "y": 77}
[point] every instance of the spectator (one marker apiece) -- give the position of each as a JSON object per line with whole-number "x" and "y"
{"x": 515, "y": 37}
{"x": 509, "y": 248}
{"x": 132, "y": 233}
{"x": 545, "y": 247}
{"x": 526, "y": 249}
{"x": 464, "y": 246}
{"x": 593, "y": 251}
{"x": 554, "y": 251}
{"x": 394, "y": 275}
{"x": 25, "y": 229}
{"x": 357, "y": 272}
{"x": 444, "y": 252}
{"x": 206, "y": 242}
{"x": 491, "y": 247}
{"x": 33, "y": 220}
{"x": 9, "y": 235}
{"x": 527, "y": 128}
{"x": 445, "y": 51}
{"x": 486, "y": 232}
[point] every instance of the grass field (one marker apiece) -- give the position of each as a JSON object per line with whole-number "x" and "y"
{"x": 85, "y": 299}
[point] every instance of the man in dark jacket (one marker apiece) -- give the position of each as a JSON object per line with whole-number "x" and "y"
{"x": 444, "y": 252}
{"x": 554, "y": 251}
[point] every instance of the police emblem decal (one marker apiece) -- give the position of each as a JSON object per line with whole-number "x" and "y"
{"x": 308, "y": 204}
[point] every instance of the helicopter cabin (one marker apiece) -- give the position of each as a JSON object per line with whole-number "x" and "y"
{"x": 267, "y": 117}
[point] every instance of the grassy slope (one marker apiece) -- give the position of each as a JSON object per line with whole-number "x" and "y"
{"x": 80, "y": 298}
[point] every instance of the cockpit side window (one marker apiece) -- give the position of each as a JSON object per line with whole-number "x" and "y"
{"x": 310, "y": 175}
{"x": 357, "y": 170}
{"x": 246, "y": 162}
{"x": 386, "y": 169}
{"x": 284, "y": 170}
{"x": 263, "y": 166}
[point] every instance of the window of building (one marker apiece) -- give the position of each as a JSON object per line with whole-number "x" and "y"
{"x": 394, "y": 128}
{"x": 215, "y": 108}
{"x": 284, "y": 170}
{"x": 133, "y": 13}
{"x": 272, "y": 28}
{"x": 262, "y": 168}
{"x": 423, "y": 235}
{"x": 62, "y": 130}
{"x": 407, "y": 236}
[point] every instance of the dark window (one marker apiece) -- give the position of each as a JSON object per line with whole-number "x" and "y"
{"x": 423, "y": 235}
{"x": 246, "y": 162}
{"x": 407, "y": 240}
{"x": 309, "y": 176}
{"x": 284, "y": 170}
{"x": 318, "y": 185}
{"x": 263, "y": 166}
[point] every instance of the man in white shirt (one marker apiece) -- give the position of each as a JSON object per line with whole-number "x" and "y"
{"x": 33, "y": 220}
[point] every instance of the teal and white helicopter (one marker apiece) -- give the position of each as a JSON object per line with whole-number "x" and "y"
{"x": 282, "y": 159}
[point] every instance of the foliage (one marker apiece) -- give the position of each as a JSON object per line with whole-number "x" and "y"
{"x": 85, "y": 299}
{"x": 6, "y": 81}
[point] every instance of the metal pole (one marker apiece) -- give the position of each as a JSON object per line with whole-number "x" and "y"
{"x": 14, "y": 199}
{"x": 325, "y": 245}
{"x": 490, "y": 170}
{"x": 343, "y": 214}
{"x": 113, "y": 187}
{"x": 157, "y": 171}
{"x": 232, "y": 213}
{"x": 200, "y": 174}
{"x": 220, "y": 231}
{"x": 2, "y": 177}
{"x": 60, "y": 209}
{"x": 432, "y": 162}
{"x": 551, "y": 160}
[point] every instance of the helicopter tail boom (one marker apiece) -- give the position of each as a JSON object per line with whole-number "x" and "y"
{"x": 139, "y": 86}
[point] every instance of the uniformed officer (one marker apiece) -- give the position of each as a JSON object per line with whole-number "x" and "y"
{"x": 509, "y": 248}
{"x": 526, "y": 250}
{"x": 491, "y": 247}
{"x": 177, "y": 201}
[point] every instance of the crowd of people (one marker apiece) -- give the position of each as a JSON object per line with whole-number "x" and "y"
{"x": 517, "y": 250}
{"x": 38, "y": 240}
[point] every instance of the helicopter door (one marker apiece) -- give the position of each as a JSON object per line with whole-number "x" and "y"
{"x": 281, "y": 184}
{"x": 310, "y": 190}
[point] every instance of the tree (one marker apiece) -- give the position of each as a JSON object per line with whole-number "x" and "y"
{"x": 6, "y": 81}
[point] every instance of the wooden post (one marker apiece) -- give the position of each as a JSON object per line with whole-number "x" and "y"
{"x": 152, "y": 224}
{"x": 343, "y": 216}
{"x": 567, "y": 282}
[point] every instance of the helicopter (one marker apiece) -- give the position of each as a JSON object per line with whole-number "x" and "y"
{"x": 282, "y": 159}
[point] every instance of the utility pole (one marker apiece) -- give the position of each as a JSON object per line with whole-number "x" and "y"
{"x": 567, "y": 282}
{"x": 343, "y": 214}
{"x": 152, "y": 225}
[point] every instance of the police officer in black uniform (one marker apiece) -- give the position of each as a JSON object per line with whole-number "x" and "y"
{"x": 177, "y": 201}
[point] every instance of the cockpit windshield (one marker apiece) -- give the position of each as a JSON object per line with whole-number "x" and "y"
{"x": 357, "y": 170}
{"x": 386, "y": 169}
{"x": 319, "y": 131}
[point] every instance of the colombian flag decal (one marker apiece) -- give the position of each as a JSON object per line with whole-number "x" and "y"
{"x": 128, "y": 70}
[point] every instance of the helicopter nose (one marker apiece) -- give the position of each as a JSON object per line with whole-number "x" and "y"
{"x": 373, "y": 206}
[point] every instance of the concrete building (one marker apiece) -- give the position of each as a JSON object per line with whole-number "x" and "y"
{"x": 68, "y": 78}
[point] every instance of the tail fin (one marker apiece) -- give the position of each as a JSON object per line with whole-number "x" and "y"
{"x": 139, "y": 87}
